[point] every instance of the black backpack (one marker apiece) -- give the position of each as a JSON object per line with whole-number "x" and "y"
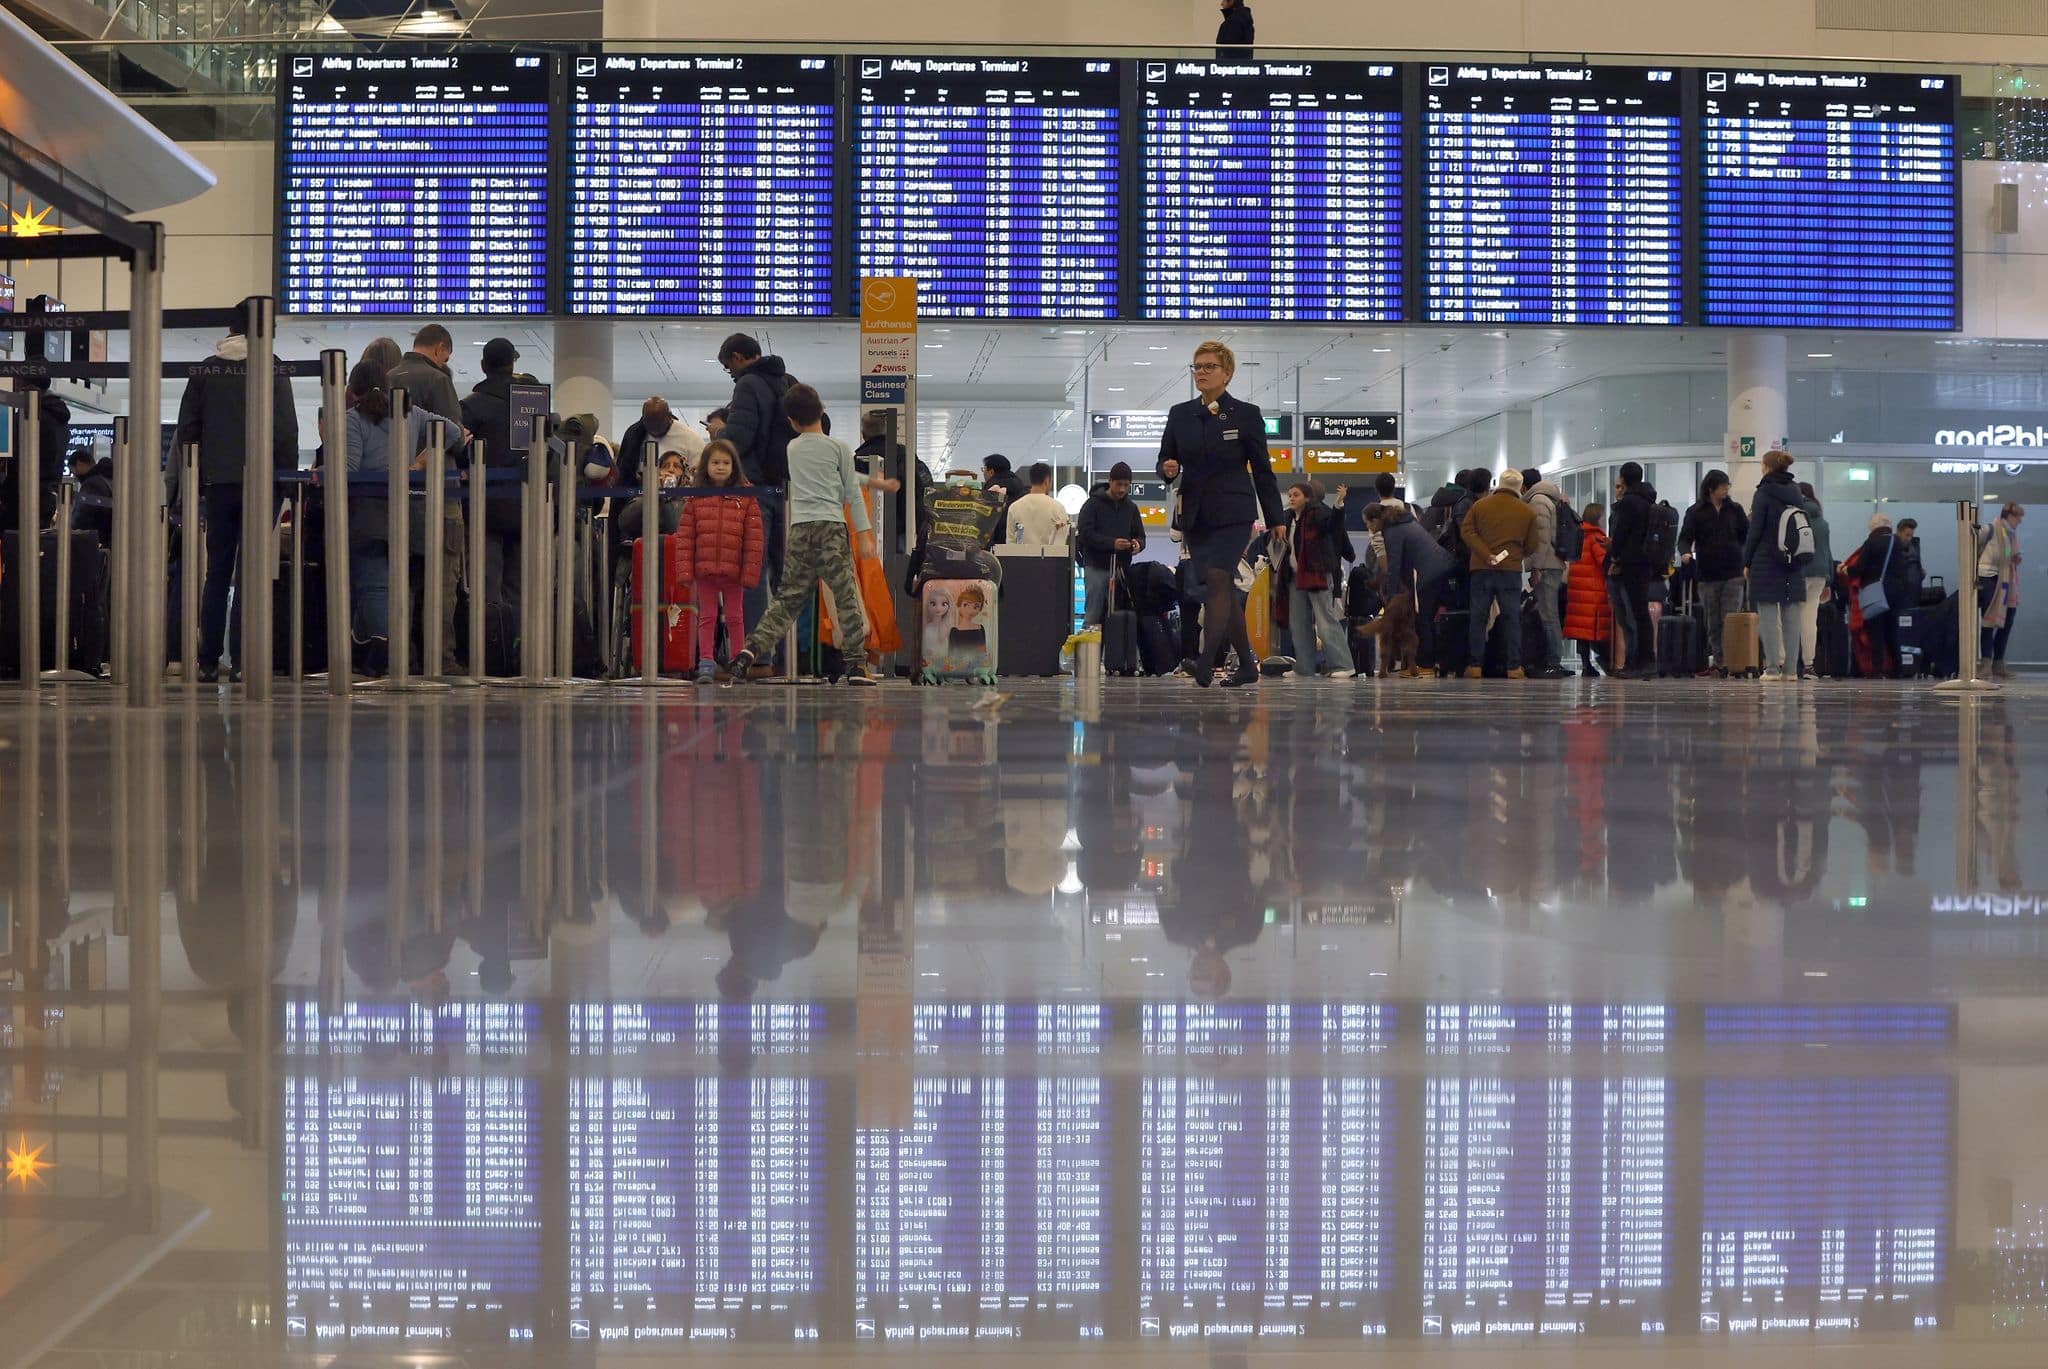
{"x": 1448, "y": 531}
{"x": 775, "y": 458}
{"x": 1660, "y": 536}
{"x": 1570, "y": 539}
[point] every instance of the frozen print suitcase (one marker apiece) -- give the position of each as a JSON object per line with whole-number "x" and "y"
{"x": 957, "y": 631}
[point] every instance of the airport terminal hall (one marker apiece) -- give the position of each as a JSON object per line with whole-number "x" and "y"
{"x": 1231, "y": 683}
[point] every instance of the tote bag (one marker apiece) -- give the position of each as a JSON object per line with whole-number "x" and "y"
{"x": 1871, "y": 598}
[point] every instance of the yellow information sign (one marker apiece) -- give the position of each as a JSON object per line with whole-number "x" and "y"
{"x": 1352, "y": 460}
{"x": 888, "y": 304}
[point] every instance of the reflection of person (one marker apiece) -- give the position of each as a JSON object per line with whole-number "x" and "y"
{"x": 1213, "y": 907}
{"x": 1226, "y": 485}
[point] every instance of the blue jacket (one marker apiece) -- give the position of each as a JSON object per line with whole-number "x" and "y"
{"x": 1773, "y": 580}
{"x": 369, "y": 453}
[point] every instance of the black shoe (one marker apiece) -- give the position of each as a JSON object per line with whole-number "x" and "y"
{"x": 1203, "y": 672}
{"x": 1241, "y": 679}
{"x": 1555, "y": 672}
{"x": 207, "y": 674}
{"x": 741, "y": 664}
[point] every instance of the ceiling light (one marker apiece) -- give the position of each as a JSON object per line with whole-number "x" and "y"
{"x": 1157, "y": 348}
{"x": 933, "y": 346}
{"x": 1383, "y": 349}
{"x": 1077, "y": 332}
{"x": 1815, "y": 974}
{"x": 1333, "y": 377}
{"x": 1116, "y": 389}
{"x": 1141, "y": 363}
{"x": 1820, "y": 356}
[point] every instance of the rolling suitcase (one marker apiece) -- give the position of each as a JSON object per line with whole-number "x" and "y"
{"x": 1831, "y": 642}
{"x": 1742, "y": 641}
{"x": 1119, "y": 633}
{"x": 1158, "y": 643}
{"x": 678, "y": 610}
{"x": 957, "y": 633}
{"x": 1453, "y": 641}
{"x": 89, "y": 604}
{"x": 1912, "y": 642}
{"x": 1681, "y": 644}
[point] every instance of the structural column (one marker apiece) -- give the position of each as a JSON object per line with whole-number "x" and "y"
{"x": 1517, "y": 440}
{"x": 1757, "y": 419}
{"x": 583, "y": 371}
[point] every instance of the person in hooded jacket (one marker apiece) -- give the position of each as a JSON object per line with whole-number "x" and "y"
{"x": 487, "y": 413}
{"x": 1236, "y": 32}
{"x": 1820, "y": 574}
{"x": 1777, "y": 586}
{"x": 1882, "y": 560}
{"x": 1632, "y": 567}
{"x": 1415, "y": 563}
{"x": 1546, "y": 568}
{"x": 1711, "y": 541}
{"x": 54, "y": 439}
{"x": 760, "y": 432}
{"x": 213, "y": 413}
{"x": 1589, "y": 613}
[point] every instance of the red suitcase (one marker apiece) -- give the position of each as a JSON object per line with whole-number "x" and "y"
{"x": 678, "y": 610}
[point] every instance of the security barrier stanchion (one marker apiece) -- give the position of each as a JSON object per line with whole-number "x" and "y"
{"x": 297, "y": 664}
{"x": 334, "y": 507}
{"x": 536, "y": 638}
{"x": 792, "y": 673}
{"x": 259, "y": 550}
{"x": 1967, "y": 645}
{"x": 474, "y": 529}
{"x": 149, "y": 594}
{"x": 565, "y": 564}
{"x": 60, "y": 671}
{"x": 28, "y": 581}
{"x": 398, "y": 540}
{"x": 121, "y": 559}
{"x": 191, "y": 563}
{"x": 433, "y": 518}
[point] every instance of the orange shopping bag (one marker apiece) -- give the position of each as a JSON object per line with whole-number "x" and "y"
{"x": 877, "y": 604}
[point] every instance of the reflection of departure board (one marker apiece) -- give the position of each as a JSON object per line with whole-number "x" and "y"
{"x": 702, "y": 184}
{"x": 1513, "y": 1028}
{"x": 1242, "y": 1028}
{"x": 1735, "y": 1025}
{"x": 414, "y": 184}
{"x": 1551, "y": 194}
{"x": 1825, "y": 1204}
{"x": 1272, "y": 191}
{"x": 696, "y": 1208}
{"x": 987, "y": 1218}
{"x": 1828, "y": 199}
{"x": 694, "y": 1028}
{"x": 411, "y": 1211}
{"x": 443, "y": 1029}
{"x": 1544, "y": 1206}
{"x": 1002, "y": 1028}
{"x": 1265, "y": 1207}
{"x": 993, "y": 180}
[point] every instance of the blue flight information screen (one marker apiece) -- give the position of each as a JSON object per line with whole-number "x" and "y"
{"x": 414, "y": 184}
{"x": 701, "y": 185}
{"x": 1272, "y": 191}
{"x": 1551, "y": 195}
{"x": 994, "y": 181}
{"x": 1825, "y": 1204}
{"x": 1828, "y": 200}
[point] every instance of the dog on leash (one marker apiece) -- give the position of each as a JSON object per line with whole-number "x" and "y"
{"x": 1395, "y": 627}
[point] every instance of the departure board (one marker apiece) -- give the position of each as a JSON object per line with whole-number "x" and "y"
{"x": 414, "y": 184}
{"x": 412, "y": 1211}
{"x": 1543, "y": 1206}
{"x": 1828, "y": 199}
{"x": 696, "y": 1208}
{"x": 1266, "y": 1207}
{"x": 995, "y": 181}
{"x": 701, "y": 185}
{"x": 1551, "y": 195}
{"x": 1272, "y": 191}
{"x": 987, "y": 1218}
{"x": 1825, "y": 1204}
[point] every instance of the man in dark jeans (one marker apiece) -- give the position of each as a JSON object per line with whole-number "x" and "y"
{"x": 214, "y": 414}
{"x": 760, "y": 432}
{"x": 1635, "y": 504}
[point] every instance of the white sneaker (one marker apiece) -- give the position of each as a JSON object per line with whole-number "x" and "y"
{"x": 1774, "y": 677}
{"x": 1343, "y": 674}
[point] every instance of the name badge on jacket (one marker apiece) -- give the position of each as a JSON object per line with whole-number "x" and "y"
{"x": 1230, "y": 434}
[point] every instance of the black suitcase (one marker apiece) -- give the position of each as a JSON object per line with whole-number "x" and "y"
{"x": 1831, "y": 642}
{"x": 1535, "y": 641}
{"x": 89, "y": 604}
{"x": 1120, "y": 642}
{"x": 1940, "y": 645}
{"x": 1681, "y": 642}
{"x": 1453, "y": 641}
{"x": 1158, "y": 643}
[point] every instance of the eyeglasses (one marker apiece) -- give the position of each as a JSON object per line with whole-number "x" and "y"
{"x": 1207, "y": 366}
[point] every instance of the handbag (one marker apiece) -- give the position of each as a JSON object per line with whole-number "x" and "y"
{"x": 1871, "y": 598}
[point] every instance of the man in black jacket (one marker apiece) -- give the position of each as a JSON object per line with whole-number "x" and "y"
{"x": 1629, "y": 562}
{"x": 1235, "y": 34}
{"x": 487, "y": 413}
{"x": 760, "y": 432}
{"x": 53, "y": 416}
{"x": 1711, "y": 541}
{"x": 998, "y": 474}
{"x": 428, "y": 384}
{"x": 214, "y": 414}
{"x": 1109, "y": 531}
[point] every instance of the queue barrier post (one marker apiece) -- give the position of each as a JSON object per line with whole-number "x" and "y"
{"x": 148, "y": 594}
{"x": 399, "y": 678}
{"x": 1967, "y": 643}
{"x": 474, "y": 529}
{"x": 334, "y": 509}
{"x": 565, "y": 564}
{"x": 259, "y": 550}
{"x": 28, "y": 526}
{"x": 653, "y": 616}
{"x": 191, "y": 563}
{"x": 297, "y": 662}
{"x": 61, "y": 671}
{"x": 536, "y": 640}
{"x": 121, "y": 559}
{"x": 434, "y": 516}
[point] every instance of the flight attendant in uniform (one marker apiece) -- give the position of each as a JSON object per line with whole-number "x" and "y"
{"x": 1226, "y": 485}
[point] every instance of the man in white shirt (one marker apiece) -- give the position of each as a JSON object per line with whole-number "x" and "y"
{"x": 1037, "y": 519}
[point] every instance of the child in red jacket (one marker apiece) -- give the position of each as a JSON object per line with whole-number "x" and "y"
{"x": 721, "y": 552}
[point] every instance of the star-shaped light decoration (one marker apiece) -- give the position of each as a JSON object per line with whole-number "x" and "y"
{"x": 30, "y": 224}
{"x": 24, "y": 1164}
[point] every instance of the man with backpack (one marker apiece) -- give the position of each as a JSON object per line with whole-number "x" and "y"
{"x": 1637, "y": 529}
{"x": 1556, "y": 544}
{"x": 1711, "y": 541}
{"x": 758, "y": 427}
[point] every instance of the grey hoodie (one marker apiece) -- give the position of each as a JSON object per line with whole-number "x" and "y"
{"x": 1544, "y": 501}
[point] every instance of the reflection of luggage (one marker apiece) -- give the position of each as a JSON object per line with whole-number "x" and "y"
{"x": 89, "y": 624}
{"x": 1158, "y": 643}
{"x": 957, "y": 632}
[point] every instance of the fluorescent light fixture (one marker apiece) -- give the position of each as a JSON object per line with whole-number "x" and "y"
{"x": 1333, "y": 377}
{"x": 1819, "y": 356}
{"x": 1383, "y": 349}
{"x": 1116, "y": 389}
{"x": 934, "y": 346}
{"x": 1157, "y": 348}
{"x": 1862, "y": 474}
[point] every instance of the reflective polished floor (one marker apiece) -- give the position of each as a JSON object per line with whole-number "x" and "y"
{"x": 1619, "y": 1024}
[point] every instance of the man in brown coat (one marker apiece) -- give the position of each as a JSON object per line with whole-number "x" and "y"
{"x": 1498, "y": 530}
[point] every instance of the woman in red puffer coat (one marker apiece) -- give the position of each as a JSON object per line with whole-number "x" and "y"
{"x": 1588, "y": 617}
{"x": 721, "y": 552}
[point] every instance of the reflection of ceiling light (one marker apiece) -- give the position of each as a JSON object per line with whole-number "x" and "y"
{"x": 934, "y": 346}
{"x": 1077, "y": 332}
